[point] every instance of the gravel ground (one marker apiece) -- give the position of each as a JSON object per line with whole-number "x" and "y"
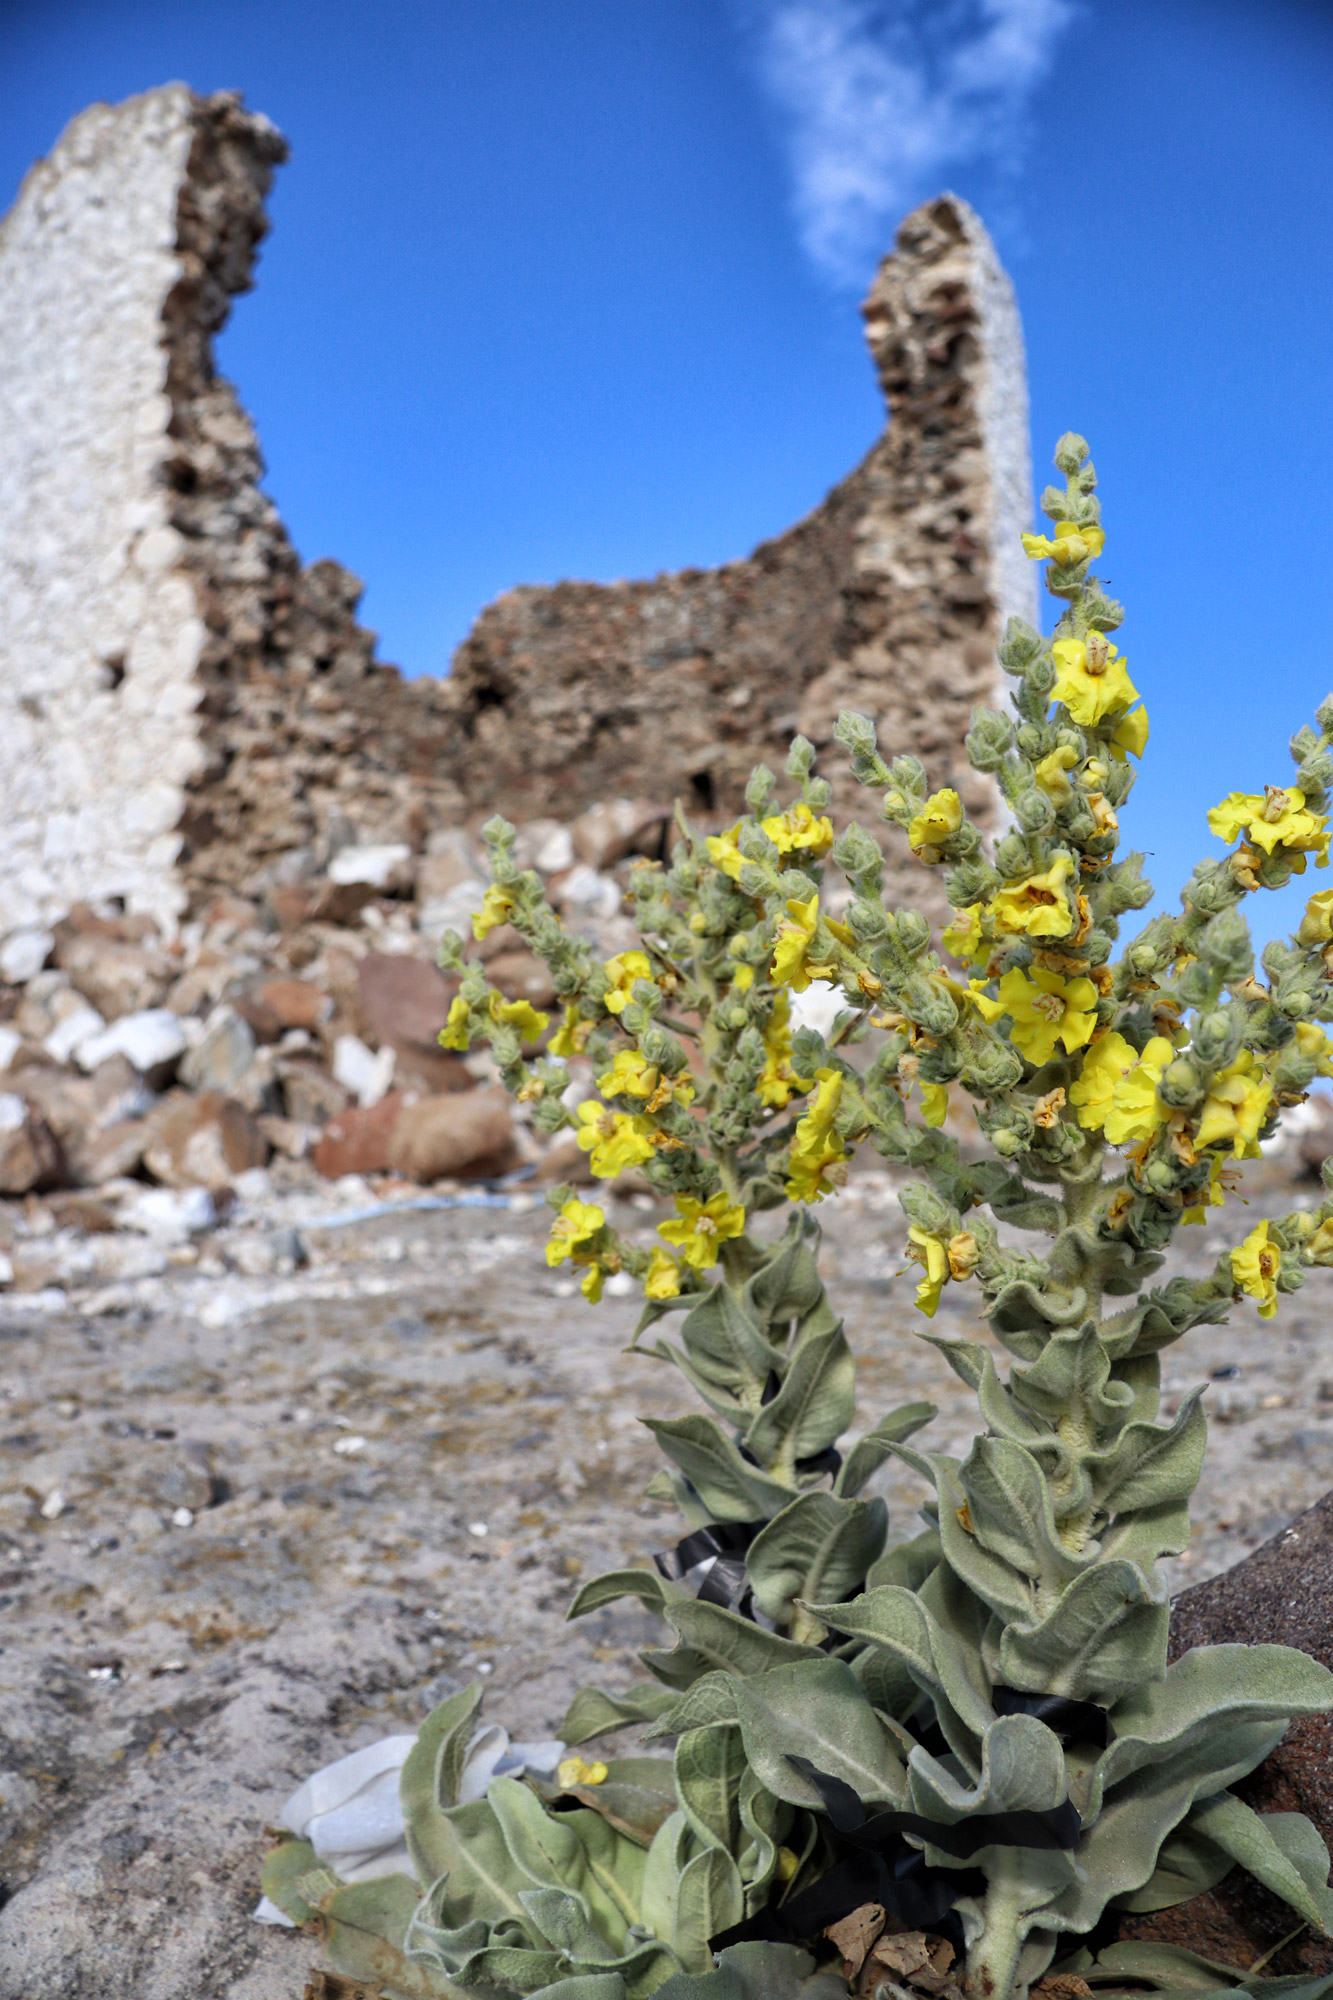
{"x": 258, "y": 1511}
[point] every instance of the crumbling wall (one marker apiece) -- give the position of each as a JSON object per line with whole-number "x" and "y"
{"x": 185, "y": 707}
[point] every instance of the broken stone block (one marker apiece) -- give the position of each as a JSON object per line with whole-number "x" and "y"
{"x": 23, "y": 954}
{"x": 114, "y": 976}
{"x": 310, "y": 1095}
{"x": 154, "y": 1041}
{"x": 449, "y": 859}
{"x": 441, "y": 1138}
{"x": 30, "y": 1157}
{"x": 367, "y": 1076}
{"x": 606, "y": 833}
{"x": 357, "y": 1141}
{"x": 388, "y": 870}
{"x": 285, "y": 1136}
{"x": 293, "y": 1003}
{"x": 202, "y": 1141}
{"x": 223, "y": 1057}
{"x": 401, "y": 1001}
{"x": 73, "y": 1022}
{"x": 109, "y": 1154}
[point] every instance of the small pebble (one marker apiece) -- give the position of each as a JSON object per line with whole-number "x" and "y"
{"x": 477, "y": 1528}
{"x": 348, "y": 1446}
{"x": 182, "y": 1518}
{"x": 54, "y": 1505}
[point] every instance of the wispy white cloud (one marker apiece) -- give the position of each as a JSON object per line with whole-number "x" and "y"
{"x": 881, "y": 98}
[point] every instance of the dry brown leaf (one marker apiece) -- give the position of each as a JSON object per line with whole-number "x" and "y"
{"x": 853, "y": 1935}
{"x": 1062, "y": 1986}
{"x": 337, "y": 1986}
{"x": 906, "y": 1953}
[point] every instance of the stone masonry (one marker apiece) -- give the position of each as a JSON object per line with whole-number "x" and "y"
{"x": 185, "y": 708}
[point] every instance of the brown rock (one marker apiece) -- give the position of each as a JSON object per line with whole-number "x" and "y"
{"x": 263, "y": 1021}
{"x": 292, "y": 905}
{"x": 82, "y": 1211}
{"x": 521, "y": 975}
{"x": 606, "y": 833}
{"x": 202, "y": 1141}
{"x": 115, "y": 976}
{"x": 454, "y": 1137}
{"x": 448, "y": 861}
{"x": 30, "y": 1155}
{"x": 295, "y": 1003}
{"x": 565, "y": 1160}
{"x": 1283, "y": 1595}
{"x": 357, "y": 1140}
{"x": 310, "y": 1095}
{"x": 431, "y": 1073}
{"x": 401, "y": 1001}
{"x": 108, "y": 1154}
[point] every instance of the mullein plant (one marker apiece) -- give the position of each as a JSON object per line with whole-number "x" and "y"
{"x": 939, "y": 1764}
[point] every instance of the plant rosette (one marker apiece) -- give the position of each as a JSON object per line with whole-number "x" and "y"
{"x": 934, "y": 1763}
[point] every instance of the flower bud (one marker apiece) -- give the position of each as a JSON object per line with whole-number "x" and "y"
{"x": 800, "y": 758}
{"x": 759, "y": 788}
{"x": 857, "y": 852}
{"x": 970, "y": 882}
{"x": 1217, "y": 1036}
{"x": 1041, "y": 676}
{"x": 1020, "y": 645}
{"x": 1011, "y": 855}
{"x": 1225, "y": 947}
{"x": 1181, "y": 1085}
{"x": 911, "y": 932}
{"x": 989, "y": 740}
{"x": 1033, "y": 810}
{"x": 1323, "y": 715}
{"x": 1071, "y": 453}
{"x": 930, "y": 1006}
{"x": 856, "y": 733}
{"x": 1160, "y": 1176}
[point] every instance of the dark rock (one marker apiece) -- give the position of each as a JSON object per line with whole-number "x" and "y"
{"x": 1282, "y": 1595}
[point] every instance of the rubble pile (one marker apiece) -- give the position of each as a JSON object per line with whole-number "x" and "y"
{"x": 290, "y": 1034}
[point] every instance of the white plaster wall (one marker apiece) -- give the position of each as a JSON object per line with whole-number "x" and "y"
{"x": 91, "y": 776}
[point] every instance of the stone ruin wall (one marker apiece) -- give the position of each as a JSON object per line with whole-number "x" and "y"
{"x": 185, "y": 707}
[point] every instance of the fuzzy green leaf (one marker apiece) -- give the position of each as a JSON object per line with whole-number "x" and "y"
{"x": 1272, "y": 1847}
{"x": 595, "y": 1713}
{"x": 870, "y": 1452}
{"x": 818, "y": 1547}
{"x": 429, "y": 1780}
{"x": 818, "y": 1710}
{"x": 813, "y": 1407}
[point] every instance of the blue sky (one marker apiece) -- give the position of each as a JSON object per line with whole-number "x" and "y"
{"x": 571, "y": 291}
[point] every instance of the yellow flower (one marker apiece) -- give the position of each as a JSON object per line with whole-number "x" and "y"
{"x": 1131, "y": 735}
{"x": 1046, "y": 1009}
{"x": 702, "y": 1227}
{"x": 817, "y": 1160}
{"x": 1320, "y": 1244}
{"x": 799, "y": 830}
{"x": 570, "y": 1037}
{"x": 930, "y": 1253}
{"x": 742, "y": 979}
{"x": 662, "y": 1278}
{"x": 575, "y": 1772}
{"x": 779, "y": 1081}
{"x": 1116, "y": 1089}
{"x": 576, "y": 1225}
{"x": 724, "y": 853}
{"x": 1071, "y": 544}
{"x": 1093, "y": 1091}
{"x": 796, "y": 929}
{"x": 631, "y": 1076}
{"x": 941, "y": 815}
{"x": 1277, "y": 819}
{"x": 963, "y": 937}
{"x": 1236, "y": 1105}
{"x": 496, "y": 908}
{"x": 1135, "y": 1111}
{"x": 1313, "y": 1042}
{"x": 622, "y": 971}
{"x": 934, "y": 1103}
{"x": 1255, "y": 1266}
{"x": 1052, "y": 774}
{"x": 1317, "y": 923}
{"x": 977, "y": 996}
{"x": 1090, "y": 678}
{"x": 616, "y": 1140}
{"x": 1038, "y": 905}
{"x": 521, "y": 1015}
{"x": 454, "y": 1033}
{"x": 590, "y": 1284}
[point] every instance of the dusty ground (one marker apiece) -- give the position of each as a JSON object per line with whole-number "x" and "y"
{"x": 298, "y": 1505}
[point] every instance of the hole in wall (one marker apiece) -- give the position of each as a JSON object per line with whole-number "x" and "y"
{"x": 112, "y": 671}
{"x": 702, "y": 790}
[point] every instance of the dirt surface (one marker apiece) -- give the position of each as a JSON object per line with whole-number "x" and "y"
{"x": 298, "y": 1502}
